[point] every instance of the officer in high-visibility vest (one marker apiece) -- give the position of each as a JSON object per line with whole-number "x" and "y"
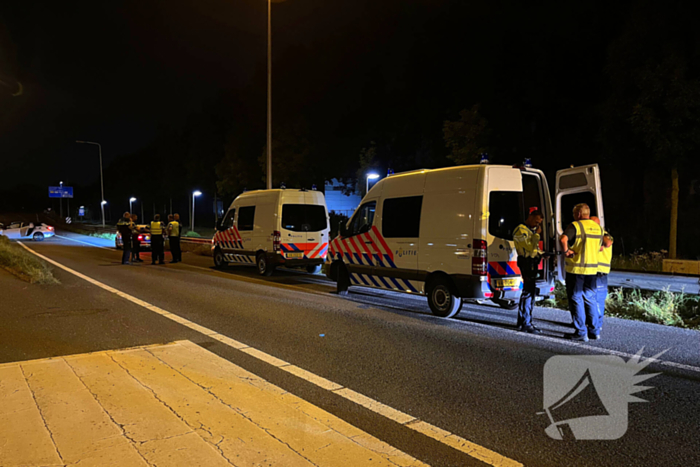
{"x": 581, "y": 241}
{"x": 174, "y": 238}
{"x": 527, "y": 243}
{"x": 157, "y": 253}
{"x": 604, "y": 261}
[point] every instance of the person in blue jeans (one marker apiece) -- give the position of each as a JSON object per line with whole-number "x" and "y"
{"x": 581, "y": 243}
{"x": 604, "y": 261}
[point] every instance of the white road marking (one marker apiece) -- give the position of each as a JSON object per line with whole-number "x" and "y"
{"x": 86, "y": 243}
{"x": 474, "y": 450}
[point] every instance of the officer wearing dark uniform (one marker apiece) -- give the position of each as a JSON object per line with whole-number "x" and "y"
{"x": 135, "y": 242}
{"x": 124, "y": 227}
{"x": 174, "y": 238}
{"x": 527, "y": 240}
{"x": 157, "y": 253}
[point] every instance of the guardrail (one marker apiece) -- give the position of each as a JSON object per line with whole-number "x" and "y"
{"x": 197, "y": 240}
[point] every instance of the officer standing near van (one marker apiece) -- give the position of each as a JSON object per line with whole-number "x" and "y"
{"x": 581, "y": 242}
{"x": 157, "y": 253}
{"x": 124, "y": 227}
{"x": 604, "y": 261}
{"x": 174, "y": 238}
{"x": 527, "y": 240}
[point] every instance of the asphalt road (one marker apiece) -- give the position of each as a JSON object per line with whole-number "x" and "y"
{"x": 473, "y": 376}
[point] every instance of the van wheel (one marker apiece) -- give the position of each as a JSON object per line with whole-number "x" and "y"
{"x": 442, "y": 300}
{"x": 314, "y": 269}
{"x": 343, "y": 281}
{"x": 38, "y": 237}
{"x": 219, "y": 261}
{"x": 263, "y": 267}
{"x": 506, "y": 304}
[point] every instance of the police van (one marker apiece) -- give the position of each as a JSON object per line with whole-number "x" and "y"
{"x": 270, "y": 228}
{"x": 448, "y": 233}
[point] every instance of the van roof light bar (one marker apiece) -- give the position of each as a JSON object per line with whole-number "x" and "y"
{"x": 484, "y": 158}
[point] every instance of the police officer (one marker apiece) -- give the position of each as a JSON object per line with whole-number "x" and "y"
{"x": 135, "y": 242}
{"x": 174, "y": 236}
{"x": 124, "y": 227}
{"x": 527, "y": 239}
{"x": 581, "y": 242}
{"x": 604, "y": 261}
{"x": 157, "y": 253}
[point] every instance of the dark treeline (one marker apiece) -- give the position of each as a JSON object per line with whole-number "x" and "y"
{"x": 407, "y": 85}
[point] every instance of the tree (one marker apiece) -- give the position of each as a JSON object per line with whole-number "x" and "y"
{"x": 467, "y": 137}
{"x": 368, "y": 160}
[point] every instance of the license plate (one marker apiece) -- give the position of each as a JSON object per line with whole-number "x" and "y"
{"x": 503, "y": 283}
{"x": 299, "y": 255}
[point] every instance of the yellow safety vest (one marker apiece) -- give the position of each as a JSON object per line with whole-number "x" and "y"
{"x": 174, "y": 229}
{"x": 605, "y": 259}
{"x": 589, "y": 237}
{"x": 156, "y": 228}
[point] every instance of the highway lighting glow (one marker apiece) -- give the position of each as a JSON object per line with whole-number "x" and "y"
{"x": 103, "y": 202}
{"x": 132, "y": 199}
{"x": 372, "y": 176}
{"x": 196, "y": 193}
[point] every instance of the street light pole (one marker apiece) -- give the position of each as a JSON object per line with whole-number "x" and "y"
{"x": 194, "y": 194}
{"x": 269, "y": 94}
{"x": 102, "y": 182}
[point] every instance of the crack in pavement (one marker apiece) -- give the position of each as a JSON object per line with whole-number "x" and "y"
{"x": 121, "y": 427}
{"x": 216, "y": 446}
{"x": 266, "y": 430}
{"x": 41, "y": 414}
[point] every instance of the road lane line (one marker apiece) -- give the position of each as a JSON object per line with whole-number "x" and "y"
{"x": 474, "y": 450}
{"x": 85, "y": 243}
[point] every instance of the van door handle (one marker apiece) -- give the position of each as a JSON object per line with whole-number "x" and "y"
{"x": 369, "y": 243}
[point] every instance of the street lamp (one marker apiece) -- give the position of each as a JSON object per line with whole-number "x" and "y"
{"x": 102, "y": 184}
{"x": 60, "y": 201}
{"x": 371, "y": 176}
{"x": 194, "y": 195}
{"x": 131, "y": 200}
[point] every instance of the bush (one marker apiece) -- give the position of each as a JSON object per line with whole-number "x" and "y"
{"x": 192, "y": 233}
{"x": 23, "y": 264}
{"x": 640, "y": 261}
{"x": 662, "y": 307}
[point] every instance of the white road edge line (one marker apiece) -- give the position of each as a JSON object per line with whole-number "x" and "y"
{"x": 84, "y": 243}
{"x": 449, "y": 439}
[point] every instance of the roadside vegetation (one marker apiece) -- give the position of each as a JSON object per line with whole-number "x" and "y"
{"x": 661, "y": 307}
{"x": 641, "y": 261}
{"x": 23, "y": 264}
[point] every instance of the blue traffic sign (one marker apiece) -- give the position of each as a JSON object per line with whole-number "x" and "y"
{"x": 60, "y": 192}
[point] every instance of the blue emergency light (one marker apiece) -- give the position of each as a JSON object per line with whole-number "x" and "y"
{"x": 313, "y": 187}
{"x": 283, "y": 186}
{"x": 484, "y": 158}
{"x": 527, "y": 162}
{"x": 389, "y": 172}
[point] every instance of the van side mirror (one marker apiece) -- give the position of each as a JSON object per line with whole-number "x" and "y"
{"x": 342, "y": 229}
{"x": 219, "y": 224}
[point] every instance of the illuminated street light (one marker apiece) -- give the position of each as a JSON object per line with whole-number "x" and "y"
{"x": 371, "y": 176}
{"x": 131, "y": 200}
{"x": 194, "y": 195}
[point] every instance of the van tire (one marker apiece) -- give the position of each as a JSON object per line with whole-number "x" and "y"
{"x": 442, "y": 300}
{"x": 264, "y": 267}
{"x": 343, "y": 280}
{"x": 219, "y": 262}
{"x": 314, "y": 269}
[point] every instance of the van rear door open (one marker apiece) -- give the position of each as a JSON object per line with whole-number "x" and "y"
{"x": 576, "y": 185}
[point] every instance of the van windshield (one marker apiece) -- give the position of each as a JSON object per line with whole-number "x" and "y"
{"x": 505, "y": 213}
{"x": 304, "y": 217}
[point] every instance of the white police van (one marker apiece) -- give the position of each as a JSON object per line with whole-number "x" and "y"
{"x": 270, "y": 228}
{"x": 448, "y": 233}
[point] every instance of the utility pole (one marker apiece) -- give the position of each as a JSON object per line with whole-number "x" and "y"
{"x": 269, "y": 94}
{"x": 102, "y": 183}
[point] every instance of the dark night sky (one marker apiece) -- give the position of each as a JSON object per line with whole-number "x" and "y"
{"x": 116, "y": 72}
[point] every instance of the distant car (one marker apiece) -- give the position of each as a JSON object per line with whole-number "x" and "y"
{"x": 144, "y": 237}
{"x": 23, "y": 231}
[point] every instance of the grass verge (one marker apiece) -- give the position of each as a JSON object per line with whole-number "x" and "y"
{"x": 661, "y": 307}
{"x": 23, "y": 264}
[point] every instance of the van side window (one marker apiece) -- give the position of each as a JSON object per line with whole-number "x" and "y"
{"x": 363, "y": 218}
{"x": 246, "y": 218}
{"x": 401, "y": 217}
{"x": 505, "y": 213}
{"x": 227, "y": 223}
